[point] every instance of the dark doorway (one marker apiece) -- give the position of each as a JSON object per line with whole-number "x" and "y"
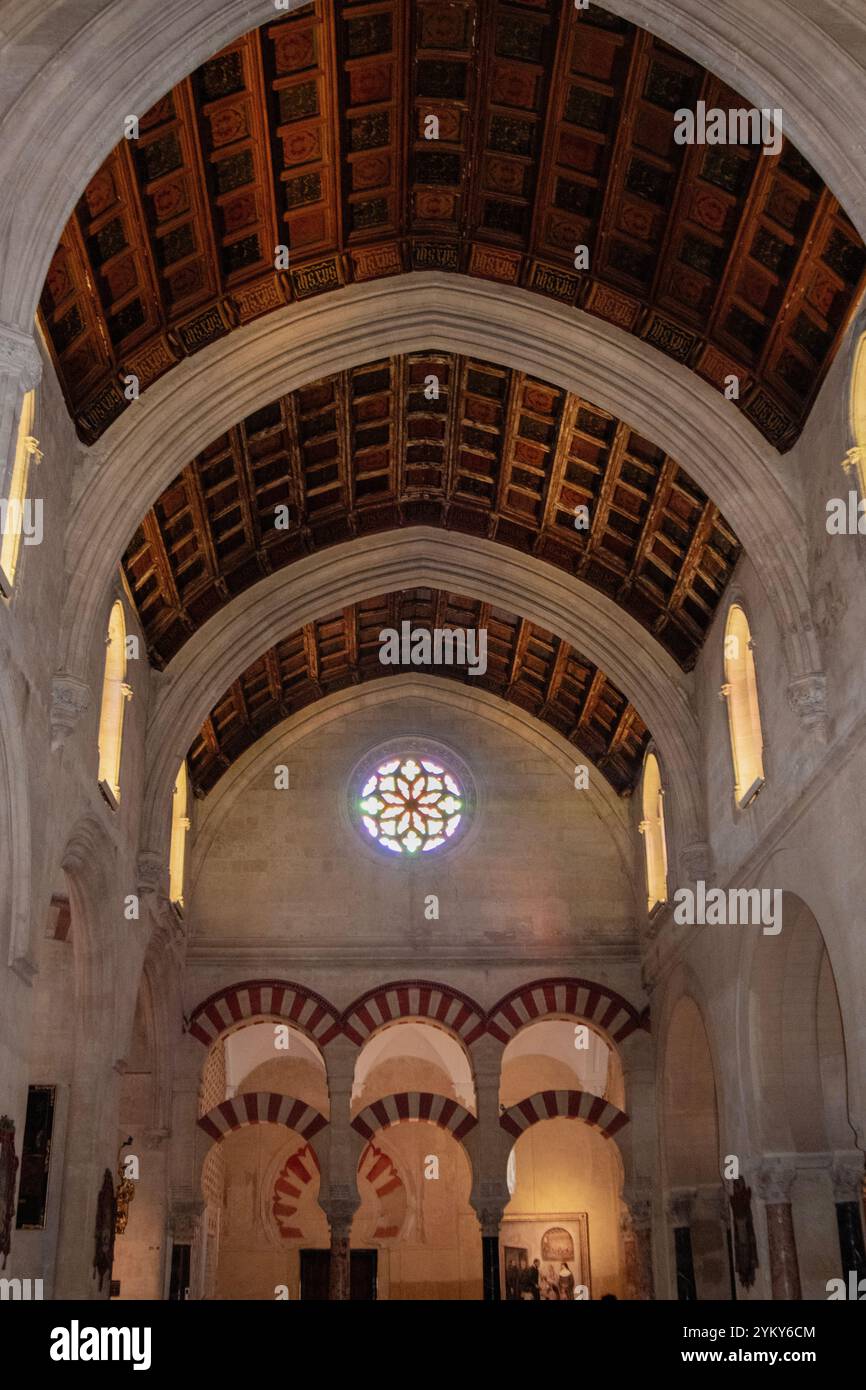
{"x": 315, "y": 1270}
{"x": 179, "y": 1286}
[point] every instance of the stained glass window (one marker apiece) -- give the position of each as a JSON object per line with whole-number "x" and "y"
{"x": 411, "y": 805}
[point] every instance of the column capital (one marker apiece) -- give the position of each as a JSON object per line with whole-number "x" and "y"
{"x": 20, "y": 356}
{"x": 637, "y": 1203}
{"x": 695, "y": 862}
{"x": 807, "y": 697}
{"x": 184, "y": 1218}
{"x": 680, "y": 1205}
{"x": 339, "y": 1206}
{"x": 847, "y": 1176}
{"x": 775, "y": 1178}
{"x": 490, "y": 1218}
{"x": 70, "y": 698}
{"x": 714, "y": 1203}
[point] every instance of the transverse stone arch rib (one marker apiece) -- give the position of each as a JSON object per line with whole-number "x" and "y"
{"x": 414, "y": 1105}
{"x": 258, "y": 1108}
{"x": 562, "y": 995}
{"x": 297, "y": 1006}
{"x": 227, "y": 381}
{"x": 208, "y": 664}
{"x": 425, "y": 999}
{"x": 778, "y": 57}
{"x": 160, "y": 329}
{"x": 275, "y": 745}
{"x": 573, "y": 1105}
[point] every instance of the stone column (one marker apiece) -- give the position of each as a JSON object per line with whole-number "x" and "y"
{"x": 91, "y": 1148}
{"x": 488, "y": 1147}
{"x": 490, "y": 1220}
{"x": 847, "y": 1178}
{"x": 636, "y": 1228}
{"x": 340, "y": 1151}
{"x": 775, "y": 1180}
{"x": 340, "y": 1211}
{"x": 712, "y": 1217}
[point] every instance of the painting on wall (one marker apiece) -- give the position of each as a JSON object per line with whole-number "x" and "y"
{"x": 545, "y": 1257}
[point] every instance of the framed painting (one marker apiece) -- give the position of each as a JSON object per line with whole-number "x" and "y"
{"x": 545, "y": 1257}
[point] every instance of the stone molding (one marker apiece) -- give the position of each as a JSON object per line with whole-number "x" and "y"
{"x": 847, "y": 1176}
{"x": 213, "y": 658}
{"x": 808, "y": 699}
{"x": 209, "y": 393}
{"x": 70, "y": 698}
{"x": 20, "y": 357}
{"x": 774, "y": 1179}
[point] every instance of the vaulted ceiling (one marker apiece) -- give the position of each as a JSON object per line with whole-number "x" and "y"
{"x": 555, "y": 130}
{"x": 434, "y": 439}
{"x": 526, "y": 665}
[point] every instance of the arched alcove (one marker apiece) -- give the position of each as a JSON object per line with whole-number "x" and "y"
{"x": 564, "y": 1211}
{"x": 412, "y": 1055}
{"x": 560, "y": 1054}
{"x": 798, "y": 1073}
{"x": 697, "y": 1202}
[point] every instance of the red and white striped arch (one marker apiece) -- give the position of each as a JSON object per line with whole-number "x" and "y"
{"x": 282, "y": 999}
{"x": 579, "y": 998}
{"x": 572, "y": 1105}
{"x": 261, "y": 1108}
{"x": 414, "y": 999}
{"x": 414, "y": 1105}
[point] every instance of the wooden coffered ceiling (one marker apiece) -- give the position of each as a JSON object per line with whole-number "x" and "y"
{"x": 495, "y": 454}
{"x": 525, "y": 665}
{"x": 555, "y": 130}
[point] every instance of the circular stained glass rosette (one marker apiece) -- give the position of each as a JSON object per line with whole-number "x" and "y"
{"x": 411, "y": 805}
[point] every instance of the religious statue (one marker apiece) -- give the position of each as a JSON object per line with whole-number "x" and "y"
{"x": 745, "y": 1245}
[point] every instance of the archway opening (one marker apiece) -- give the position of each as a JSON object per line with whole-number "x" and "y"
{"x": 697, "y": 1202}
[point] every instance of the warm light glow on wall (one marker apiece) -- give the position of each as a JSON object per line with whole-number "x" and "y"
{"x": 26, "y": 448}
{"x": 179, "y": 827}
{"x": 858, "y": 414}
{"x": 744, "y": 717}
{"x": 653, "y": 830}
{"x": 115, "y": 693}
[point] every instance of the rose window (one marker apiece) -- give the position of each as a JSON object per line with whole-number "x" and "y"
{"x": 411, "y": 805}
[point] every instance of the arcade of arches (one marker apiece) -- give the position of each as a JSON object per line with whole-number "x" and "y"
{"x": 432, "y": 728}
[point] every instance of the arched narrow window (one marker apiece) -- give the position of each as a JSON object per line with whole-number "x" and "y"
{"x": 16, "y": 519}
{"x": 652, "y": 827}
{"x": 744, "y": 717}
{"x": 115, "y": 693}
{"x": 855, "y": 463}
{"x": 179, "y": 827}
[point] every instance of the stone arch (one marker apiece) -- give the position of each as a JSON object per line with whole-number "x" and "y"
{"x": 87, "y": 863}
{"x": 792, "y": 1004}
{"x": 778, "y": 57}
{"x": 258, "y": 1108}
{"x": 144, "y": 449}
{"x": 583, "y": 999}
{"x": 689, "y": 1109}
{"x": 414, "y": 1105}
{"x": 609, "y": 808}
{"x": 207, "y": 664}
{"x": 416, "y": 999}
{"x": 573, "y": 1105}
{"x": 281, "y": 999}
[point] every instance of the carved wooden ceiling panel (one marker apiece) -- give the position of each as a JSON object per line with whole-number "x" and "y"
{"x": 435, "y": 440}
{"x": 555, "y": 129}
{"x": 525, "y": 665}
